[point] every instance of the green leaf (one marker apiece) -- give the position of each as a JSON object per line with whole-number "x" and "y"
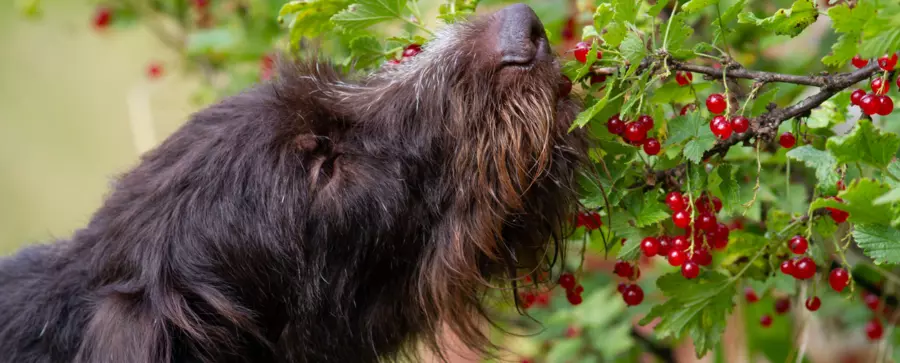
{"x": 881, "y": 243}
{"x": 697, "y": 307}
{"x": 846, "y": 47}
{"x": 789, "y": 22}
{"x": 762, "y": 101}
{"x": 726, "y": 186}
{"x": 883, "y": 43}
{"x": 366, "y": 13}
{"x": 892, "y": 196}
{"x": 366, "y": 50}
{"x": 615, "y": 33}
{"x": 695, "y": 148}
{"x": 684, "y": 128}
{"x": 678, "y": 33}
{"x": 645, "y": 208}
{"x": 825, "y": 116}
{"x": 859, "y": 202}
{"x": 693, "y": 6}
{"x": 585, "y": 116}
{"x": 847, "y": 20}
{"x": 589, "y": 32}
{"x": 564, "y": 350}
{"x": 742, "y": 243}
{"x": 603, "y": 15}
{"x": 626, "y": 10}
{"x": 866, "y": 144}
{"x": 825, "y": 227}
{"x": 657, "y": 8}
{"x": 632, "y": 48}
{"x": 822, "y": 162}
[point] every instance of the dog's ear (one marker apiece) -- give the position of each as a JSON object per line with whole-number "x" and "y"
{"x": 125, "y": 329}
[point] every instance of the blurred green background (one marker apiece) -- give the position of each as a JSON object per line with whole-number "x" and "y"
{"x": 64, "y": 115}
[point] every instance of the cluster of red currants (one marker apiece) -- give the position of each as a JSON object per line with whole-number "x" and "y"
{"x": 635, "y": 132}
{"x": 877, "y": 102}
{"x": 581, "y": 52}
{"x": 839, "y": 216}
{"x": 801, "y": 268}
{"x": 692, "y": 249}
{"x": 573, "y": 288}
{"x": 589, "y": 220}
{"x": 720, "y": 125}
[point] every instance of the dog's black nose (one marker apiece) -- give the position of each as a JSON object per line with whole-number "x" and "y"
{"x": 521, "y": 37}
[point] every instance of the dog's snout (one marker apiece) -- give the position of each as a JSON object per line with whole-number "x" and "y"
{"x": 521, "y": 36}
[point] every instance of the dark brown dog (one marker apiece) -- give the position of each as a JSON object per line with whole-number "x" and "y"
{"x": 317, "y": 218}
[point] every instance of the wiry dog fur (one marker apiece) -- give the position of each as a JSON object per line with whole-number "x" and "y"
{"x": 314, "y": 218}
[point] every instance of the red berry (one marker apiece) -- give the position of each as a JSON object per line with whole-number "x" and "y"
{"x": 898, "y": 82}
{"x": 858, "y": 62}
{"x": 880, "y": 86}
{"x": 787, "y": 140}
{"x": 646, "y": 122}
{"x": 888, "y": 62}
{"x": 615, "y": 125}
{"x": 154, "y": 71}
{"x": 856, "y": 96}
{"x": 886, "y": 105}
{"x": 720, "y": 236}
{"x": 690, "y": 270}
{"x": 720, "y": 127}
{"x": 716, "y": 103}
{"x": 702, "y": 257}
{"x": 574, "y": 299}
{"x": 622, "y": 287}
{"x": 590, "y": 221}
{"x": 840, "y": 185}
{"x": 681, "y": 219}
{"x": 787, "y": 267}
{"x": 838, "y": 279}
{"x": 874, "y": 329}
{"x": 565, "y": 86}
{"x": 871, "y": 300}
{"x": 706, "y": 221}
{"x": 686, "y": 108}
{"x": 634, "y": 132}
{"x": 798, "y": 244}
{"x": 665, "y": 245}
{"x": 633, "y": 295}
{"x": 675, "y": 201}
{"x": 676, "y": 257}
{"x": 750, "y": 295}
{"x": 652, "y": 146}
{"x": 782, "y": 306}
{"x": 581, "y": 51}
{"x": 717, "y": 204}
{"x": 765, "y": 321}
{"x": 804, "y": 269}
{"x": 397, "y": 61}
{"x": 813, "y": 303}
{"x": 412, "y": 50}
{"x": 567, "y": 280}
{"x": 572, "y": 332}
{"x": 680, "y": 243}
{"x": 839, "y": 216}
{"x": 650, "y": 246}
{"x": 623, "y": 269}
{"x": 102, "y": 17}
{"x": 597, "y": 78}
{"x": 684, "y": 78}
{"x": 740, "y": 124}
{"x": 578, "y": 289}
{"x": 870, "y": 104}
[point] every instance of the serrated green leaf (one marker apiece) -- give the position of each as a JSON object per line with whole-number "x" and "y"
{"x": 365, "y": 13}
{"x": 697, "y": 307}
{"x": 892, "y": 196}
{"x": 657, "y": 8}
{"x": 621, "y": 224}
{"x": 603, "y": 15}
{"x": 790, "y": 22}
{"x": 851, "y": 20}
{"x": 822, "y": 162}
{"x": 632, "y": 48}
{"x": 695, "y": 148}
{"x": 859, "y": 202}
{"x": 843, "y": 50}
{"x": 762, "y": 102}
{"x": 825, "y": 227}
{"x": 589, "y": 32}
{"x": 730, "y": 15}
{"x": 585, "y": 116}
{"x": 678, "y": 33}
{"x": 697, "y": 180}
{"x": 884, "y": 42}
{"x": 725, "y": 186}
{"x": 366, "y": 50}
{"x": 866, "y": 144}
{"x": 745, "y": 243}
{"x": 313, "y": 19}
{"x": 615, "y": 33}
{"x": 881, "y": 243}
{"x": 825, "y": 116}
{"x": 777, "y": 220}
{"x": 684, "y": 128}
{"x": 626, "y": 10}
{"x": 645, "y": 208}
{"x": 693, "y": 6}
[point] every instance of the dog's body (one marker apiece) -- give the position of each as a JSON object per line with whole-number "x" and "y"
{"x": 315, "y": 219}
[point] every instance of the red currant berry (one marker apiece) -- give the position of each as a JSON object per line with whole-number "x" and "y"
{"x": 680, "y": 243}
{"x": 572, "y": 332}
{"x": 646, "y": 122}
{"x": 880, "y": 86}
{"x": 102, "y": 17}
{"x": 623, "y": 269}
{"x": 740, "y": 124}
{"x": 888, "y": 62}
{"x": 720, "y": 127}
{"x": 886, "y": 105}
{"x": 597, "y": 78}
{"x": 565, "y": 86}
{"x": 684, "y": 78}
{"x": 804, "y": 269}
{"x": 839, "y": 216}
{"x": 676, "y": 257}
{"x": 652, "y": 146}
{"x": 412, "y": 50}
{"x": 574, "y": 299}
{"x": 765, "y": 321}
{"x": 567, "y": 280}
{"x": 782, "y": 306}
{"x": 750, "y": 295}
{"x": 690, "y": 270}
{"x": 787, "y": 140}
{"x": 716, "y": 103}
{"x": 578, "y": 289}
{"x": 871, "y": 300}
{"x": 686, "y": 108}
{"x": 870, "y": 104}
{"x": 650, "y": 246}
{"x": 838, "y": 279}
{"x": 798, "y": 245}
{"x": 858, "y": 62}
{"x": 154, "y": 71}
{"x": 633, "y": 295}
{"x": 856, "y": 96}
{"x": 787, "y": 267}
{"x": 621, "y": 288}
{"x": 717, "y": 204}
{"x": 581, "y": 51}
{"x": 681, "y": 219}
{"x": 615, "y": 125}
{"x": 813, "y": 303}
{"x": 675, "y": 201}
{"x": 706, "y": 221}
{"x": 665, "y": 245}
{"x": 840, "y": 185}
{"x": 874, "y": 329}
{"x": 702, "y": 257}
{"x": 634, "y": 132}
